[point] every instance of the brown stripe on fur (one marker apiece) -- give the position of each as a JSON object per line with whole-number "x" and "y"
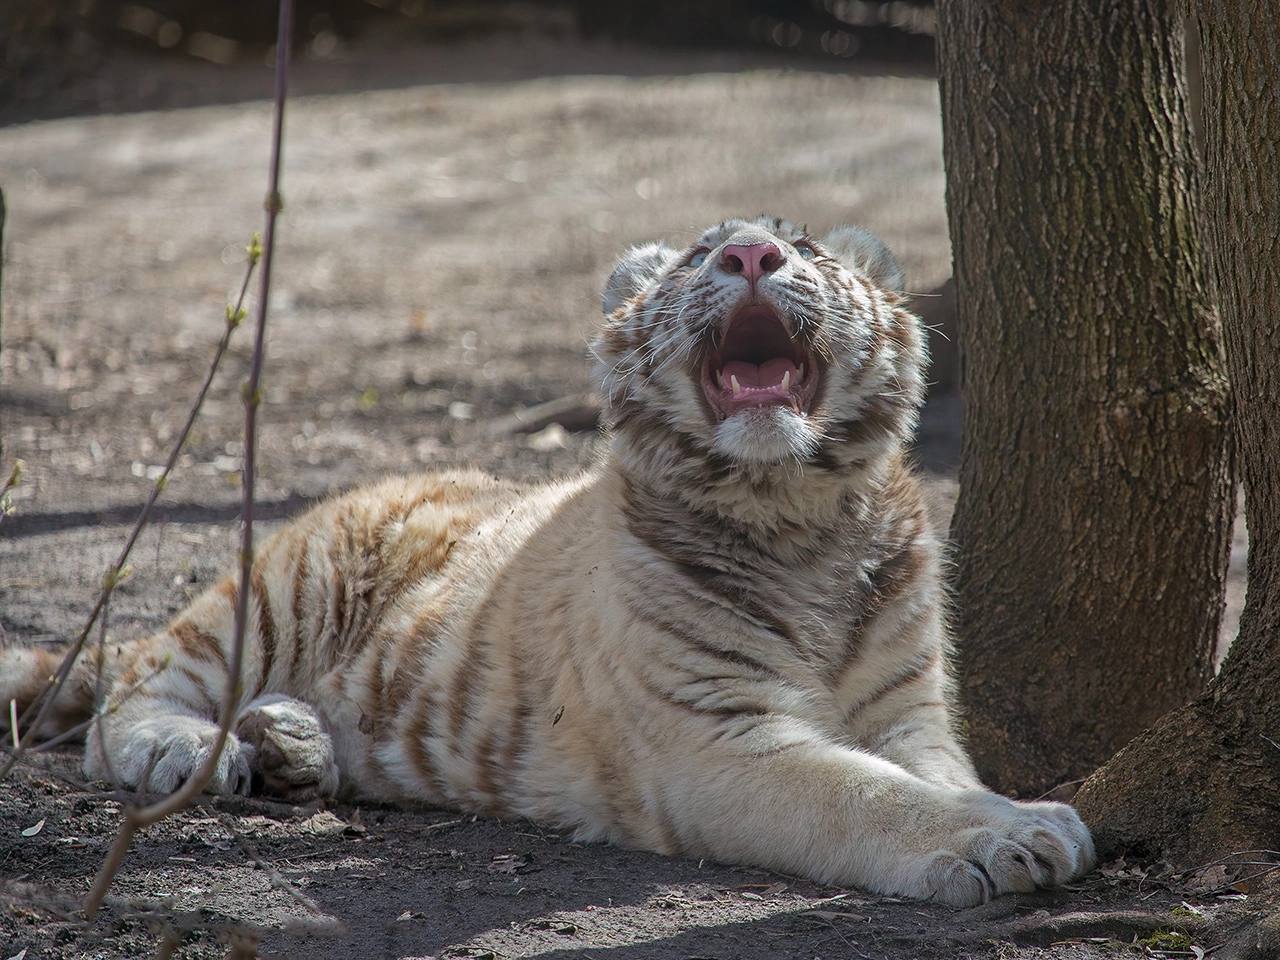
{"x": 419, "y": 638}
{"x": 372, "y": 709}
{"x": 614, "y": 339}
{"x": 197, "y": 644}
{"x": 198, "y": 681}
{"x": 475, "y": 660}
{"x": 882, "y": 419}
{"x": 648, "y": 523}
{"x": 610, "y": 787}
{"x": 923, "y": 704}
{"x": 424, "y": 562}
{"x": 375, "y": 694}
{"x": 780, "y": 748}
{"x": 392, "y": 511}
{"x": 666, "y": 696}
{"x": 301, "y": 571}
{"x": 417, "y": 735}
{"x": 908, "y": 677}
{"x": 723, "y": 654}
{"x": 889, "y": 582}
{"x": 230, "y": 591}
{"x": 904, "y": 328}
{"x": 879, "y": 335}
{"x": 666, "y": 824}
{"x": 332, "y": 637}
{"x": 517, "y": 743}
{"x": 426, "y": 559}
{"x": 128, "y": 677}
{"x": 716, "y": 582}
{"x": 266, "y": 625}
{"x": 488, "y": 773}
{"x": 824, "y": 458}
{"x": 648, "y": 431}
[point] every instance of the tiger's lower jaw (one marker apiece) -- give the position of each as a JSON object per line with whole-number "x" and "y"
{"x": 766, "y": 435}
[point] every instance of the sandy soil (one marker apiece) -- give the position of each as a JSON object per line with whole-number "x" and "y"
{"x": 449, "y": 216}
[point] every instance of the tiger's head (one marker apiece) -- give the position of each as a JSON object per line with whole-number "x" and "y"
{"x": 760, "y": 351}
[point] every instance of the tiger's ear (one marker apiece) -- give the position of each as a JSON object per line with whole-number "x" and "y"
{"x": 866, "y": 255}
{"x": 636, "y": 269}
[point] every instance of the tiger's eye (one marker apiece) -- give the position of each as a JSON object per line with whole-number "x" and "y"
{"x": 698, "y": 259}
{"x": 805, "y": 251}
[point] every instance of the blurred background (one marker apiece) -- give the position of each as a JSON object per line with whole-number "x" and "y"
{"x": 50, "y": 44}
{"x": 459, "y": 178}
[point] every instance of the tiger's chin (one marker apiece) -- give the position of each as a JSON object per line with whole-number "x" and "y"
{"x": 764, "y": 435}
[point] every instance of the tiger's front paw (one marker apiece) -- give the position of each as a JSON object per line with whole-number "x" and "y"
{"x": 1001, "y": 846}
{"x": 160, "y": 754}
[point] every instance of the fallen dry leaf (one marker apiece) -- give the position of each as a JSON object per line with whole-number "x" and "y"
{"x": 325, "y": 824}
{"x": 509, "y": 863}
{"x": 1210, "y": 878}
{"x": 32, "y": 830}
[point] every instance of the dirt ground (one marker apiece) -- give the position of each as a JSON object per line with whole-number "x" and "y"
{"x": 450, "y": 214}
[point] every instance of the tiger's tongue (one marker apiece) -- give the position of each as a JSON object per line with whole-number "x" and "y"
{"x": 767, "y": 374}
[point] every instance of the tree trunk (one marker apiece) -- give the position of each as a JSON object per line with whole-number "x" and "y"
{"x": 1205, "y": 781}
{"x": 4, "y": 469}
{"x": 1094, "y": 517}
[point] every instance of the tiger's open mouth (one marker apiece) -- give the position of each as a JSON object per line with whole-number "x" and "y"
{"x": 758, "y": 364}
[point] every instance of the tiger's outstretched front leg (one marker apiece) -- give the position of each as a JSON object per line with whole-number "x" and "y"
{"x": 158, "y": 723}
{"x": 276, "y": 741}
{"x": 790, "y": 799}
{"x": 902, "y": 709}
{"x": 910, "y": 724}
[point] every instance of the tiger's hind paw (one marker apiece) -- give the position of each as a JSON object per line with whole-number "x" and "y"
{"x": 293, "y": 754}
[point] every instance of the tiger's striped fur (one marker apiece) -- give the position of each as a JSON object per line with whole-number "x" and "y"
{"x": 726, "y": 640}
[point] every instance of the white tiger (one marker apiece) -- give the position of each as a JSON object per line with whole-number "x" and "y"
{"x": 727, "y": 640}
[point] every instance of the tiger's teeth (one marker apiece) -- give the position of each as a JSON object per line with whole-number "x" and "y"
{"x": 720, "y": 379}
{"x": 737, "y": 388}
{"x": 800, "y": 373}
{"x": 786, "y": 380}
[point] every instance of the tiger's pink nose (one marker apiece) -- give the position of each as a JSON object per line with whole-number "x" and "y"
{"x": 752, "y": 261}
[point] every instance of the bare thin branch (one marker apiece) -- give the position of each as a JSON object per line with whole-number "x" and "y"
{"x": 138, "y": 817}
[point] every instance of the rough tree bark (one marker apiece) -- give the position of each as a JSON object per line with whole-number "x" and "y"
{"x": 1095, "y": 508}
{"x": 3, "y": 468}
{"x": 1205, "y": 781}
